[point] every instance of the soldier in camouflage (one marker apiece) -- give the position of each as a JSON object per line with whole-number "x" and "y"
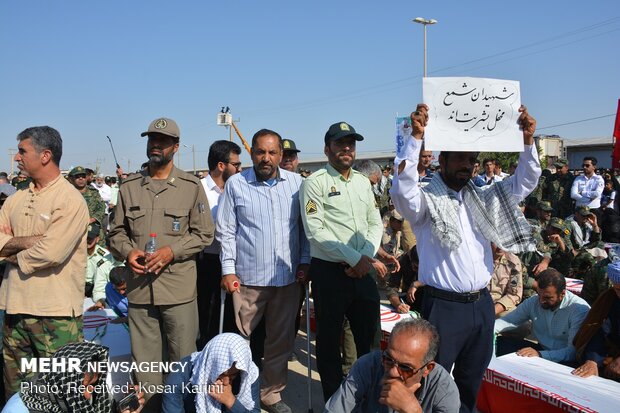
{"x": 557, "y": 189}
{"x": 595, "y": 281}
{"x": 96, "y": 206}
{"x": 532, "y": 260}
{"x": 557, "y": 239}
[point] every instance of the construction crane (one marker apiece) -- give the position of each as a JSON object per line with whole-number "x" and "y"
{"x": 224, "y": 118}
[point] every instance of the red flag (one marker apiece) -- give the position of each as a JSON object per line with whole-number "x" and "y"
{"x": 615, "y": 159}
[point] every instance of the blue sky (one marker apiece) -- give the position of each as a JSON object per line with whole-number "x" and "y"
{"x": 95, "y": 68}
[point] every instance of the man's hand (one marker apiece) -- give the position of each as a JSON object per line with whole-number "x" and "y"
{"x": 419, "y": 120}
{"x": 380, "y": 268}
{"x": 528, "y": 352}
{"x": 222, "y": 392}
{"x": 135, "y": 260}
{"x": 587, "y": 369}
{"x": 390, "y": 259}
{"x": 302, "y": 273}
{"x": 230, "y": 283}
{"x": 402, "y": 308}
{"x": 6, "y": 229}
{"x": 158, "y": 260}
{"x": 99, "y": 305}
{"x": 528, "y": 125}
{"x": 612, "y": 370}
{"x": 399, "y": 397}
{"x": 140, "y": 401}
{"x": 499, "y": 308}
{"x": 363, "y": 267}
{"x": 594, "y": 222}
{"x": 541, "y": 266}
{"x": 558, "y": 240}
{"x": 411, "y": 293}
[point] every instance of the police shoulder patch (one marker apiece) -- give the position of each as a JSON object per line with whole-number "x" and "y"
{"x": 101, "y": 251}
{"x": 311, "y": 207}
{"x": 100, "y": 262}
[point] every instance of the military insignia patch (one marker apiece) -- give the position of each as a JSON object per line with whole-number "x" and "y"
{"x": 566, "y": 232}
{"x": 100, "y": 263}
{"x": 333, "y": 192}
{"x": 286, "y": 145}
{"x": 311, "y": 207}
{"x": 160, "y": 124}
{"x": 344, "y": 126}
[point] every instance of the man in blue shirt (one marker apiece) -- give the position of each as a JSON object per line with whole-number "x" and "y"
{"x": 264, "y": 248}
{"x": 556, "y": 316}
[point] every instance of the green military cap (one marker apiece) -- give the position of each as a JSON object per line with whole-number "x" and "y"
{"x": 584, "y": 211}
{"x": 77, "y": 171}
{"x": 164, "y": 126}
{"x": 559, "y": 224}
{"x": 545, "y": 206}
{"x": 341, "y": 130}
{"x": 289, "y": 145}
{"x": 94, "y": 229}
{"x": 560, "y": 163}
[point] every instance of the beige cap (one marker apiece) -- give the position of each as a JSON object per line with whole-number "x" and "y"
{"x": 164, "y": 126}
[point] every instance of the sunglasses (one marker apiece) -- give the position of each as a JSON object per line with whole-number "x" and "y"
{"x": 405, "y": 371}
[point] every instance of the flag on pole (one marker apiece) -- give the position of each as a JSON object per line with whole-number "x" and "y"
{"x": 615, "y": 158}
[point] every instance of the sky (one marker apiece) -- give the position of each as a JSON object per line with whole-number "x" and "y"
{"x": 93, "y": 69}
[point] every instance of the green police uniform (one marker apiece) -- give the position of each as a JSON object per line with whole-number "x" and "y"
{"x": 98, "y": 267}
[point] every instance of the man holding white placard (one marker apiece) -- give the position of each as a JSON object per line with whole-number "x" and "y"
{"x": 456, "y": 222}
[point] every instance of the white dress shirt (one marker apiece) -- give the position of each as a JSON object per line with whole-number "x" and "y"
{"x": 587, "y": 191}
{"x": 469, "y": 267}
{"x": 213, "y": 196}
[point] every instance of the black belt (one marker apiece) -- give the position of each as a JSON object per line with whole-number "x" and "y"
{"x": 470, "y": 297}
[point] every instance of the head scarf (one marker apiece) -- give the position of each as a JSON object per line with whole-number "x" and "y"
{"x": 67, "y": 399}
{"x": 219, "y": 355}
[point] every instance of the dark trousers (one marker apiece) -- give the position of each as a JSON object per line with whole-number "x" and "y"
{"x": 465, "y": 340}
{"x": 336, "y": 295}
{"x": 209, "y": 271}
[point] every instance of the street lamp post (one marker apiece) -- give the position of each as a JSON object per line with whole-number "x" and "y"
{"x": 425, "y": 22}
{"x": 193, "y": 148}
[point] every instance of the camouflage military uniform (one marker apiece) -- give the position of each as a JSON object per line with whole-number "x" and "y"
{"x": 560, "y": 260}
{"x": 557, "y": 190}
{"x": 595, "y": 281}
{"x": 34, "y": 337}
{"x": 96, "y": 206}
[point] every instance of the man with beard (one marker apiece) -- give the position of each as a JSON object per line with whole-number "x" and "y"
{"x": 455, "y": 223}
{"x": 344, "y": 227}
{"x": 170, "y": 204}
{"x": 556, "y": 315}
{"x": 223, "y": 161}
{"x": 263, "y": 250}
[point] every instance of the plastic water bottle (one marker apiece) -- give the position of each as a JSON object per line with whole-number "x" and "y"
{"x": 151, "y": 245}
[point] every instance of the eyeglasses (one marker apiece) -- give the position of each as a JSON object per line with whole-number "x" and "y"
{"x": 405, "y": 371}
{"x": 237, "y": 165}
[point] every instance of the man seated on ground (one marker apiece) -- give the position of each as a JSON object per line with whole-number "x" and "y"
{"x": 116, "y": 290}
{"x": 224, "y": 376}
{"x": 506, "y": 285}
{"x": 402, "y": 378}
{"x": 598, "y": 339}
{"x": 556, "y": 315}
{"x": 585, "y": 231}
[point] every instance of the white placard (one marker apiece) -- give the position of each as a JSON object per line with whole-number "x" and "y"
{"x": 471, "y": 114}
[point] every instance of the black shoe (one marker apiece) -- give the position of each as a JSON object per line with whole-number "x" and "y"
{"x": 278, "y": 407}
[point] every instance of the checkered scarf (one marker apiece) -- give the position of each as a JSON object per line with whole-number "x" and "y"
{"x": 67, "y": 399}
{"x": 494, "y": 209}
{"x": 219, "y": 355}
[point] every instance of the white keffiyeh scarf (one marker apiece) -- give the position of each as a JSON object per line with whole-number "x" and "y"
{"x": 219, "y": 355}
{"x": 494, "y": 210}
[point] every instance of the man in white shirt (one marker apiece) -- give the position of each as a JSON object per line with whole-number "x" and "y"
{"x": 223, "y": 161}
{"x": 455, "y": 223}
{"x": 588, "y": 188}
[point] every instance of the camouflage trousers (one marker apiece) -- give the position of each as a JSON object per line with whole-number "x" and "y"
{"x": 27, "y": 336}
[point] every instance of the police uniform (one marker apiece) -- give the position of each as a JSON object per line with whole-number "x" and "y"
{"x": 177, "y": 211}
{"x": 98, "y": 267}
{"x": 342, "y": 222}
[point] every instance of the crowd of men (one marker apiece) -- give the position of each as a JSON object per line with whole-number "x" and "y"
{"x": 160, "y": 245}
